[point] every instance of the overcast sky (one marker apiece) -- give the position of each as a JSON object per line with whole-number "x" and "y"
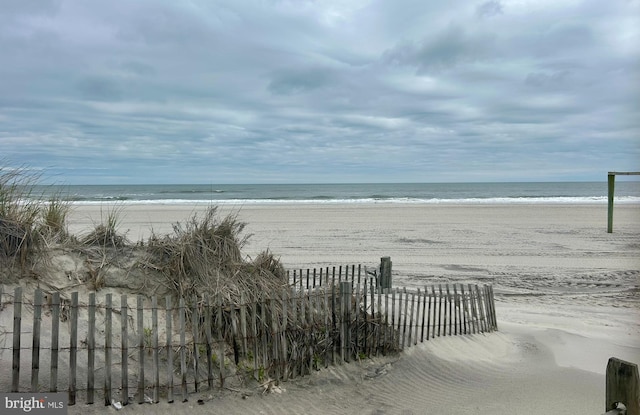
{"x": 329, "y": 91}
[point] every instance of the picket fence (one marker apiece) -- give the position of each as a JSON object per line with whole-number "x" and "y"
{"x": 141, "y": 351}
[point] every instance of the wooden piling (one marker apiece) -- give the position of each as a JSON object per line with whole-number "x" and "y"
{"x": 622, "y": 385}
{"x": 385, "y": 279}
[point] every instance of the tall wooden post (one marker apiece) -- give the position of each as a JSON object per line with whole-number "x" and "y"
{"x": 611, "y": 188}
{"x": 612, "y": 184}
{"x": 385, "y": 272}
{"x": 622, "y": 386}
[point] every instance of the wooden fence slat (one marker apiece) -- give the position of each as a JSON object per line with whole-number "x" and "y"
{"x": 183, "y": 351}
{"x": 450, "y": 304}
{"x": 275, "y": 346}
{"x": 284, "y": 325}
{"x": 413, "y": 302}
{"x": 345, "y": 329}
{"x": 429, "y": 300}
{"x": 35, "y": 343}
{"x": 263, "y": 330}
{"x": 465, "y": 311}
{"x": 91, "y": 348}
{"x": 195, "y": 317}
{"x": 374, "y": 326}
{"x": 379, "y": 332}
{"x": 439, "y": 309}
{"x": 221, "y": 342}
{"x": 294, "y": 325}
{"x": 356, "y": 305}
{"x": 483, "y": 321}
{"x": 365, "y": 297}
{"x": 424, "y": 308}
{"x": 141, "y": 336}
{"x": 73, "y": 348}
{"x": 17, "y": 323}
{"x": 325, "y": 299}
{"x": 493, "y": 308}
{"x": 124, "y": 349}
{"x": 417, "y": 325}
{"x": 107, "y": 350}
{"x": 393, "y": 315}
{"x": 404, "y": 317}
{"x": 311, "y": 344}
{"x": 209, "y": 339}
{"x": 169, "y": 346}
{"x": 387, "y": 332}
{"x": 156, "y": 356}
{"x": 55, "y": 330}
{"x": 243, "y": 324}
{"x": 456, "y": 308}
{"x": 333, "y": 315}
{"x": 474, "y": 311}
{"x": 254, "y": 335}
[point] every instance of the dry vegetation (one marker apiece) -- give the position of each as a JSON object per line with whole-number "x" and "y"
{"x": 202, "y": 257}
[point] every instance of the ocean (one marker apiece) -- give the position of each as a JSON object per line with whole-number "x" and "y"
{"x": 627, "y": 191}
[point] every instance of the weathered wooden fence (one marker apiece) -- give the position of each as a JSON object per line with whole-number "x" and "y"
{"x": 143, "y": 349}
{"x": 327, "y": 276}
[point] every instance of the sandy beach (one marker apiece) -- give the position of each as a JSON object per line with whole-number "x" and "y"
{"x": 566, "y": 301}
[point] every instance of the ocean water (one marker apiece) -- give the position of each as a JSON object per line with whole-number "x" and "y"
{"x": 426, "y": 193}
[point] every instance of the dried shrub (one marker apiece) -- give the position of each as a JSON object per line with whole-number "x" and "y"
{"x": 203, "y": 258}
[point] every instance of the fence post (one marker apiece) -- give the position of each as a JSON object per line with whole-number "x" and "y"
{"x": 17, "y": 322}
{"x": 73, "y": 347}
{"x": 35, "y": 348}
{"x": 124, "y": 350}
{"x": 345, "y": 309}
{"x": 91, "y": 346}
{"x": 622, "y": 385}
{"x": 107, "y": 350}
{"x": 385, "y": 272}
{"x": 611, "y": 184}
{"x": 55, "y": 325}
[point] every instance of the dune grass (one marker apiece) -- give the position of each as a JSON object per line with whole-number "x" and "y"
{"x": 203, "y": 258}
{"x": 20, "y": 217}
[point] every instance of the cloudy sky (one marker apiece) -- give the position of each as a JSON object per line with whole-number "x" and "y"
{"x": 270, "y": 91}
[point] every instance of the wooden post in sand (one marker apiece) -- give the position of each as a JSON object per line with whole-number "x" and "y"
{"x": 622, "y": 386}
{"x": 611, "y": 181}
{"x": 385, "y": 273}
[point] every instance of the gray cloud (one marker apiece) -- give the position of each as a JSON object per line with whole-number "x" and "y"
{"x": 320, "y": 91}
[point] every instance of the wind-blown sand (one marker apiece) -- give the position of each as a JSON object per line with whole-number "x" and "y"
{"x": 566, "y": 294}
